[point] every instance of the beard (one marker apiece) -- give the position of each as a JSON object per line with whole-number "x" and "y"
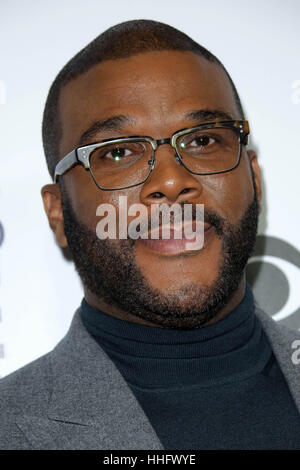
{"x": 108, "y": 269}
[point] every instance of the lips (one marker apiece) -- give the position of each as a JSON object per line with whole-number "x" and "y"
{"x": 180, "y": 240}
{"x": 178, "y": 232}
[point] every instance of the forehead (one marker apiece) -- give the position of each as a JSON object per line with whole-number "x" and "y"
{"x": 156, "y": 89}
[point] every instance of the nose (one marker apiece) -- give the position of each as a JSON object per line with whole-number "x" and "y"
{"x": 170, "y": 181}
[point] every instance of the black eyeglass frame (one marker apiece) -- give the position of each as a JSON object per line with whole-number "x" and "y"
{"x": 81, "y": 155}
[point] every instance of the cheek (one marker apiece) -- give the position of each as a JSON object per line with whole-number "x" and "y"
{"x": 86, "y": 197}
{"x": 231, "y": 193}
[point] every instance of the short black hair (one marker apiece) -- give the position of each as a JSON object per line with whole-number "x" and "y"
{"x": 121, "y": 41}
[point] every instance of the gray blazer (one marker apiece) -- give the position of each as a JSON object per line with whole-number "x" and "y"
{"x": 74, "y": 397}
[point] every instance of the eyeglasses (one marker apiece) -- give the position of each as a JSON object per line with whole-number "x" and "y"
{"x": 207, "y": 149}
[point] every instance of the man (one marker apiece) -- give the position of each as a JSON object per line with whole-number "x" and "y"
{"x": 168, "y": 349}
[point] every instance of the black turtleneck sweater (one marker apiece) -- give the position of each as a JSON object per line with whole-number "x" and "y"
{"x": 215, "y": 387}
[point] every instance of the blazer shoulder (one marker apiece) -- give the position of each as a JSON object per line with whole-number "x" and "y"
{"x": 27, "y": 389}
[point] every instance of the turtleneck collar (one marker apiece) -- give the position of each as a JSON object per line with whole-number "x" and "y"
{"x": 151, "y": 357}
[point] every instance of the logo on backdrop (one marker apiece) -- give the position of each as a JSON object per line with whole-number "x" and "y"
{"x": 274, "y": 274}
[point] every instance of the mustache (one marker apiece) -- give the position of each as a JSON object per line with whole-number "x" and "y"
{"x": 208, "y": 216}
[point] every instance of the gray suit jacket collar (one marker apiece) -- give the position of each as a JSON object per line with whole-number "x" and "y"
{"x": 92, "y": 407}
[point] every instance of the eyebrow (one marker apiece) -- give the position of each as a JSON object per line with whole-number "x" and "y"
{"x": 113, "y": 123}
{"x": 116, "y": 123}
{"x": 206, "y": 115}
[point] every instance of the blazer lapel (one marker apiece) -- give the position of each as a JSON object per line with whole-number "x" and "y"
{"x": 281, "y": 339}
{"x": 91, "y": 405}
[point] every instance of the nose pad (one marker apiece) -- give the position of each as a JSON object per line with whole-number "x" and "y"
{"x": 177, "y": 158}
{"x": 151, "y": 163}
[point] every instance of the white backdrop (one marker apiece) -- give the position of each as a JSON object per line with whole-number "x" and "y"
{"x": 257, "y": 41}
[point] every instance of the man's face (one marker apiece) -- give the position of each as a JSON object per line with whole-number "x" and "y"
{"x": 156, "y": 91}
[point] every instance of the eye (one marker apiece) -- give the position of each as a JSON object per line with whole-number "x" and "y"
{"x": 202, "y": 141}
{"x": 205, "y": 141}
{"x": 117, "y": 153}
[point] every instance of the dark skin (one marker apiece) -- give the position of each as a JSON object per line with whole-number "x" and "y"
{"x": 156, "y": 90}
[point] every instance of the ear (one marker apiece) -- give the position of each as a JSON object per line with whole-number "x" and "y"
{"x": 256, "y": 172}
{"x": 52, "y": 200}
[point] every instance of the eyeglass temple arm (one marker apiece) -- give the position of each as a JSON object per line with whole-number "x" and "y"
{"x": 246, "y": 133}
{"x": 65, "y": 164}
